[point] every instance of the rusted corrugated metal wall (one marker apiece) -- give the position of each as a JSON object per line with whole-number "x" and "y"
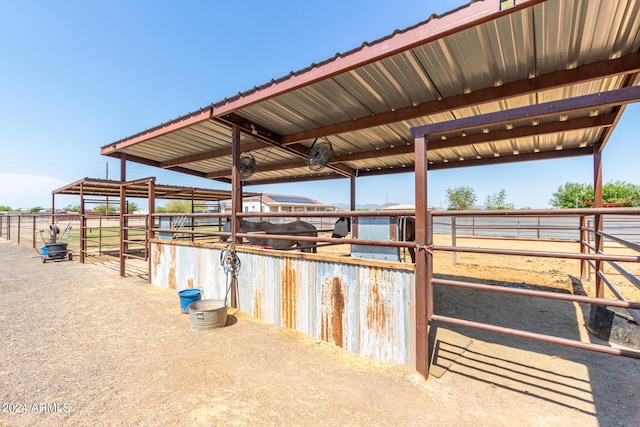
{"x": 366, "y": 307}
{"x": 181, "y": 267}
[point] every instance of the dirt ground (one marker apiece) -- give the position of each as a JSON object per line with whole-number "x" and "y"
{"x": 82, "y": 346}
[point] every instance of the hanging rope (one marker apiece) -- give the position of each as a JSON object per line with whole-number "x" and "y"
{"x": 229, "y": 260}
{"x": 231, "y": 266}
{"x": 426, "y": 248}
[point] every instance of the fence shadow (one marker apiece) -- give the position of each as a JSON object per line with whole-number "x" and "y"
{"x": 590, "y": 382}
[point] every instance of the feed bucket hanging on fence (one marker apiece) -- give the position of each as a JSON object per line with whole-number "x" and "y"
{"x": 207, "y": 314}
{"x": 187, "y": 296}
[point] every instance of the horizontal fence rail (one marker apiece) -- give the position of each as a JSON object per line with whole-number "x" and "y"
{"x": 615, "y": 245}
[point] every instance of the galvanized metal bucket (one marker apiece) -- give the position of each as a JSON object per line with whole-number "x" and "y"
{"x": 207, "y": 314}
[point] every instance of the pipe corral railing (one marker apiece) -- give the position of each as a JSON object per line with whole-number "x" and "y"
{"x": 589, "y": 228}
{"x": 590, "y": 254}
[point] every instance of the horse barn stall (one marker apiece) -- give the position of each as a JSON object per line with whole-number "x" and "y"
{"x": 366, "y": 308}
{"x": 124, "y": 235}
{"x": 488, "y": 83}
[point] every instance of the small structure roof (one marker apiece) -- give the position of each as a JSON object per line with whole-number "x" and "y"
{"x": 111, "y": 188}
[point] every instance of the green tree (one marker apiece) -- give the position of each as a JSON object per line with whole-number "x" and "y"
{"x": 4, "y": 208}
{"x": 498, "y": 201}
{"x": 461, "y": 198}
{"x": 621, "y": 191}
{"x": 103, "y": 208}
{"x": 36, "y": 209}
{"x": 175, "y": 206}
{"x": 132, "y": 207}
{"x": 572, "y": 194}
{"x": 72, "y": 208}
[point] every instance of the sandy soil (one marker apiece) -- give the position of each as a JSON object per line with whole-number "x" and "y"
{"x": 81, "y": 345}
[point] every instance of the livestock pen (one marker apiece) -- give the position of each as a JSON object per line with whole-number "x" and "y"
{"x": 369, "y": 306}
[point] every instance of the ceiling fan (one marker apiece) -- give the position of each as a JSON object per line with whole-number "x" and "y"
{"x": 319, "y": 154}
{"x": 247, "y": 166}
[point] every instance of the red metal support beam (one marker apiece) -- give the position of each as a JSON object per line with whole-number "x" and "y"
{"x": 83, "y": 224}
{"x": 150, "y": 222}
{"x": 598, "y": 219}
{"x": 236, "y": 199}
{"x": 608, "y": 99}
{"x": 123, "y": 198}
{"x": 421, "y": 277}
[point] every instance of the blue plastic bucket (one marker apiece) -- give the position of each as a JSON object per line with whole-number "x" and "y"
{"x": 187, "y": 296}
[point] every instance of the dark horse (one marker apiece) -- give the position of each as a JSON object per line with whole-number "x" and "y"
{"x": 296, "y": 228}
{"x": 406, "y": 231}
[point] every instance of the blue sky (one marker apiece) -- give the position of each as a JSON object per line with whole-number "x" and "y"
{"x": 78, "y": 75}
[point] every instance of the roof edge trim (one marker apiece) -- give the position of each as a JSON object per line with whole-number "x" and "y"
{"x": 186, "y": 120}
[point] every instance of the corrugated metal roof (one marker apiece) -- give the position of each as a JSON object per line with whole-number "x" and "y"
{"x": 105, "y": 187}
{"x": 474, "y": 60}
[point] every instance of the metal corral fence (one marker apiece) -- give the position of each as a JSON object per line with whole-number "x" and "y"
{"x": 573, "y": 224}
{"x": 33, "y": 230}
{"x": 342, "y": 305}
{"x": 622, "y": 253}
{"x": 554, "y": 227}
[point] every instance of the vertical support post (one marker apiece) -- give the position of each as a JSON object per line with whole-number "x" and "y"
{"x": 236, "y": 202}
{"x": 429, "y": 272}
{"x": 19, "y": 223}
{"x": 150, "y": 224}
{"x": 583, "y": 247}
{"x": 193, "y": 220}
{"x": 599, "y": 222}
{"x": 33, "y": 231}
{"x": 422, "y": 262}
{"x": 53, "y": 208}
{"x": 100, "y": 236}
{"x": 83, "y": 225}
{"x": 397, "y": 231}
{"x": 123, "y": 198}
{"x": 124, "y": 233}
{"x": 454, "y": 229}
{"x": 591, "y": 227}
{"x": 352, "y": 207}
{"x": 123, "y": 167}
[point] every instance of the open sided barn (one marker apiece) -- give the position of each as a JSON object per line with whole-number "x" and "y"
{"x": 490, "y": 82}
